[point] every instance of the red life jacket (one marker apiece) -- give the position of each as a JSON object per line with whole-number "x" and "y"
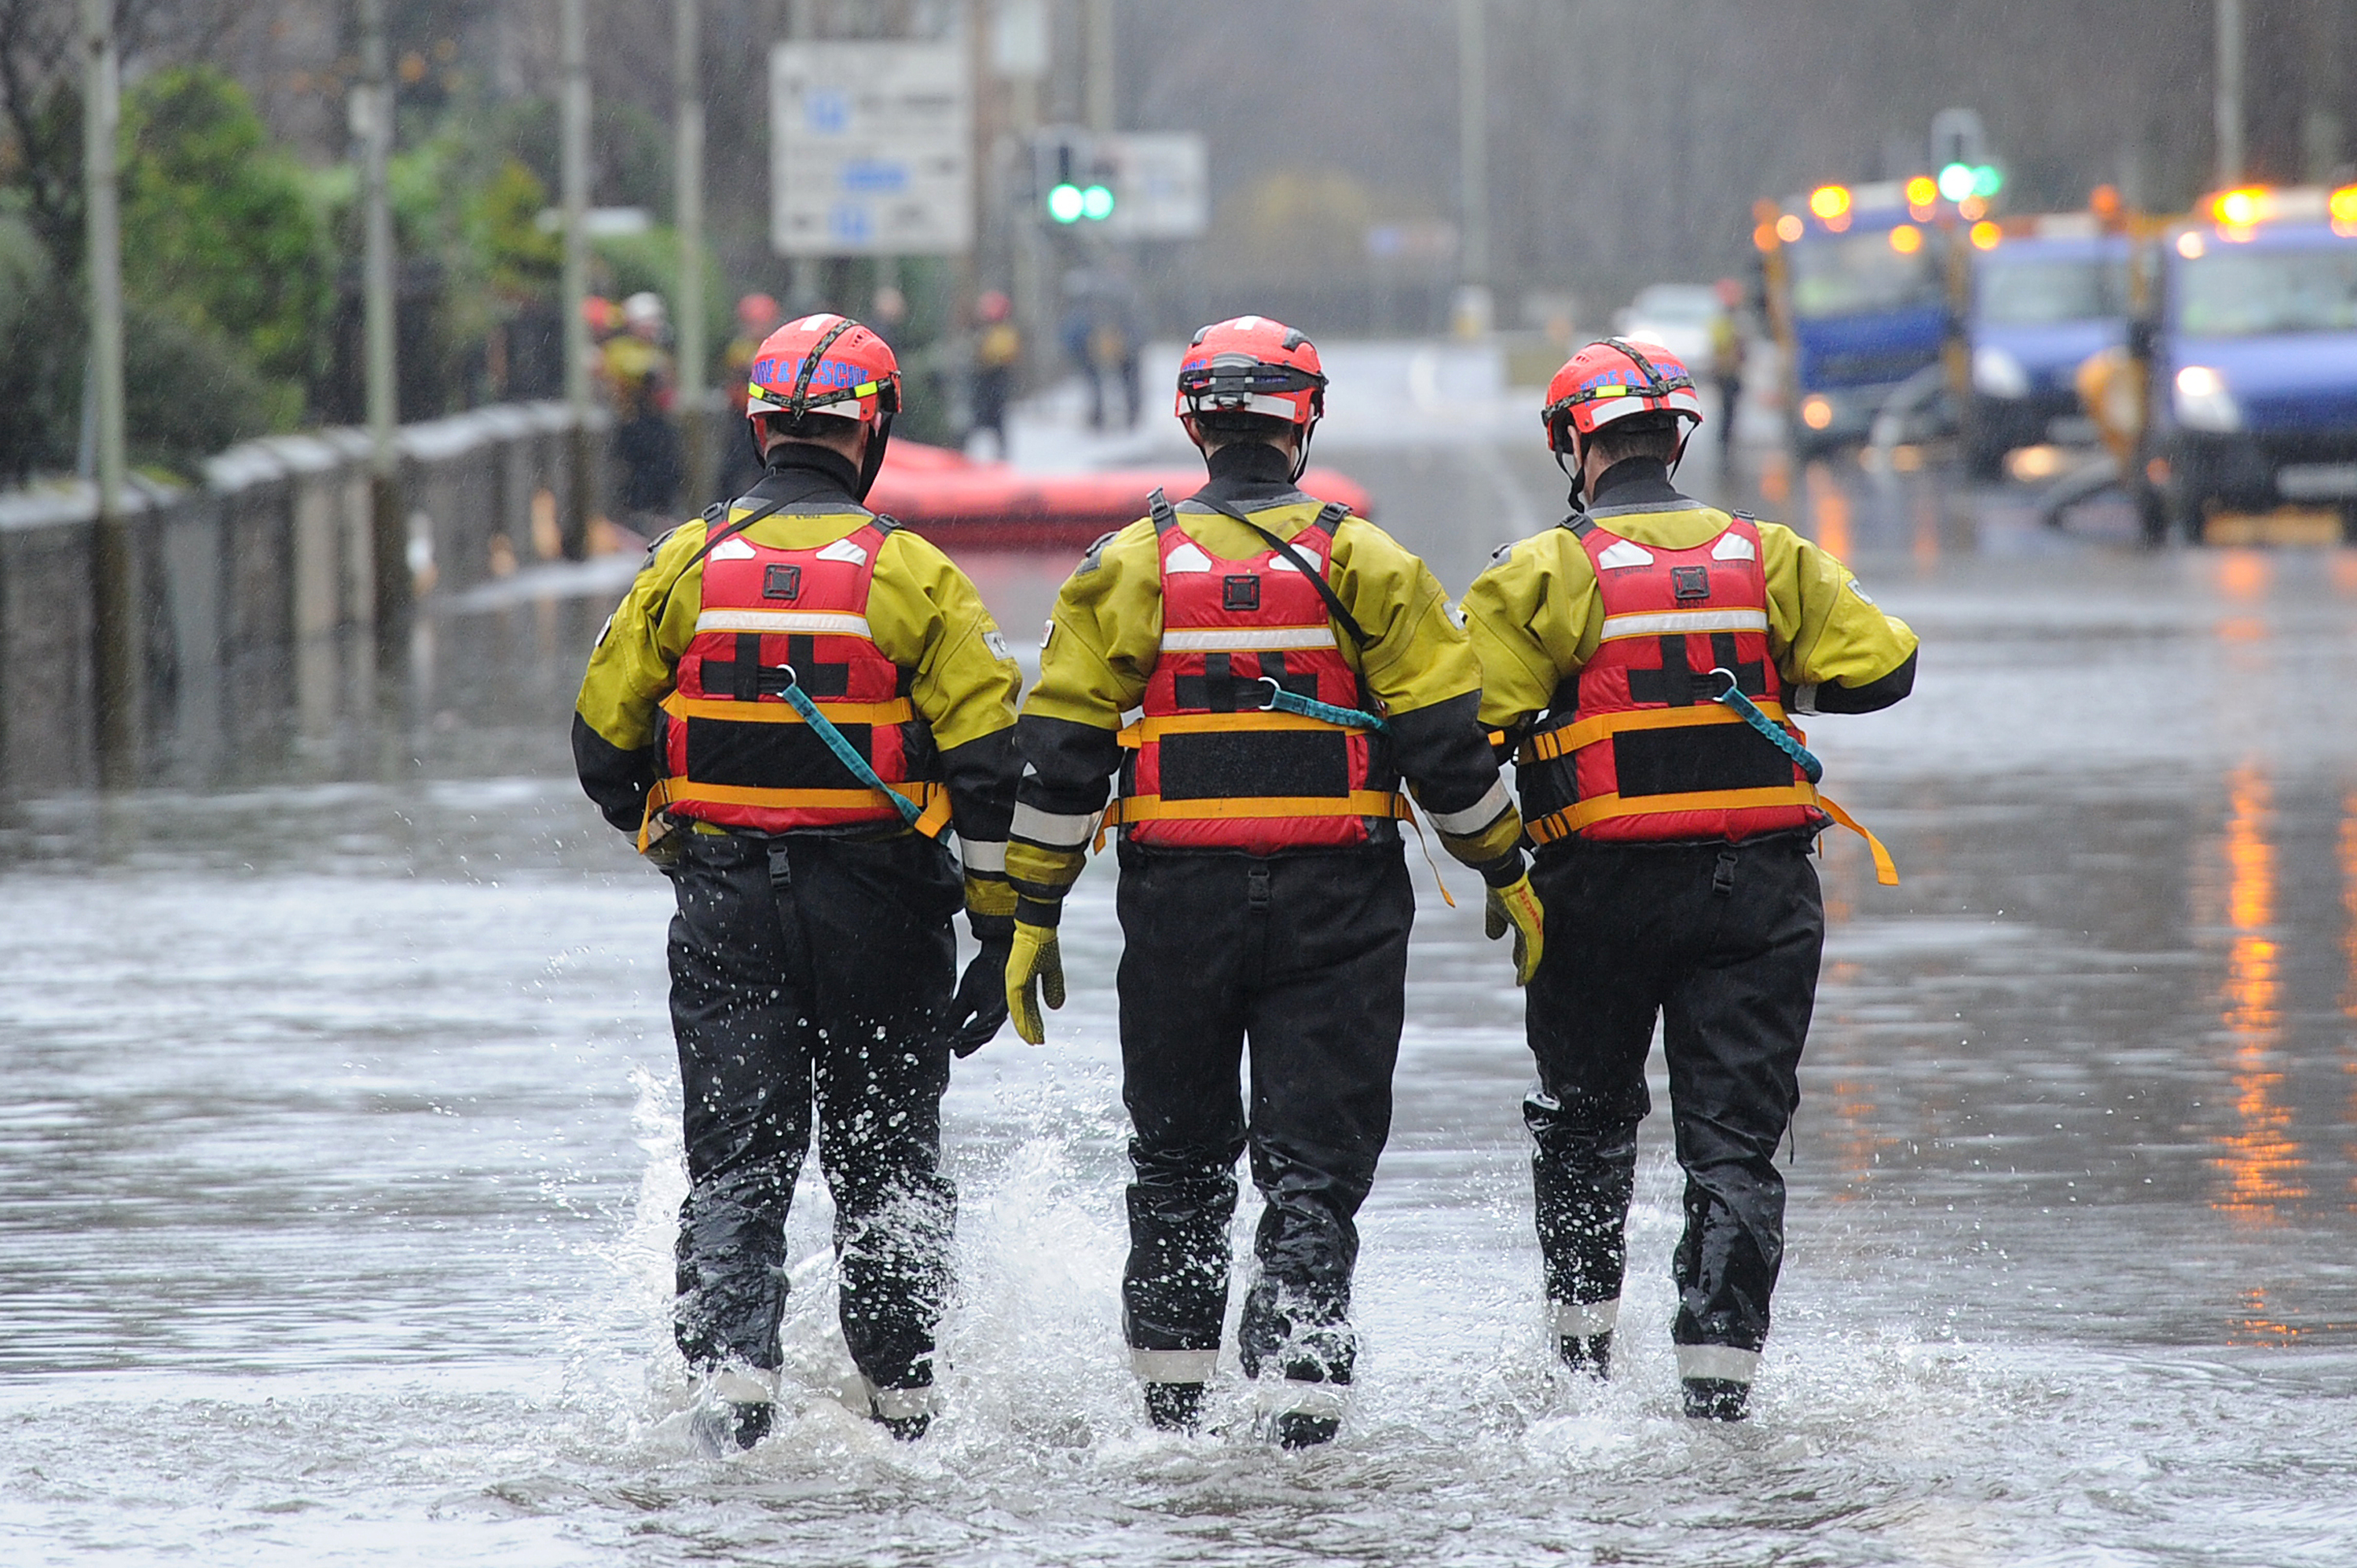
{"x": 735, "y": 752}
{"x": 1210, "y": 767}
{"x": 1651, "y": 754}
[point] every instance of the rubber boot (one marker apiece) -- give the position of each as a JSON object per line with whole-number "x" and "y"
{"x": 731, "y": 1426}
{"x": 1306, "y": 1409}
{"x": 1175, "y": 1407}
{"x": 1716, "y": 1399}
{"x": 906, "y": 1413}
{"x": 1591, "y": 1354}
{"x": 1298, "y": 1429}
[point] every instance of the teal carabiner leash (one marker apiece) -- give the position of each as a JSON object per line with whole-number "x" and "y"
{"x": 844, "y": 752}
{"x": 1749, "y": 712}
{"x": 1283, "y": 702}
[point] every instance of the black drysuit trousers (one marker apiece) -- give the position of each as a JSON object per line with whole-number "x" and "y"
{"x": 1306, "y": 953}
{"x": 814, "y": 967}
{"x": 1721, "y": 941}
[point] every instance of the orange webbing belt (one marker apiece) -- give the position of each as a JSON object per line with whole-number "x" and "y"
{"x": 1232, "y": 808}
{"x": 1548, "y": 745}
{"x": 1886, "y": 870}
{"x": 1569, "y": 821}
{"x": 933, "y": 800}
{"x": 898, "y": 710}
{"x": 1140, "y": 731}
{"x": 1235, "y": 807}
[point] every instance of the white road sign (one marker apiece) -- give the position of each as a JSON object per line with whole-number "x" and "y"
{"x": 1163, "y": 183}
{"x": 871, "y": 149}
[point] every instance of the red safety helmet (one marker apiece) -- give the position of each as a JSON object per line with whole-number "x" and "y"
{"x": 1613, "y": 380}
{"x": 826, "y": 364}
{"x": 1252, "y": 365}
{"x": 756, "y": 312}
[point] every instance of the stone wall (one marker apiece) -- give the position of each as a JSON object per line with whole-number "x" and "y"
{"x": 256, "y": 590}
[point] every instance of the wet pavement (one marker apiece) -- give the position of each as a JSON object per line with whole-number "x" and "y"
{"x": 338, "y": 1169}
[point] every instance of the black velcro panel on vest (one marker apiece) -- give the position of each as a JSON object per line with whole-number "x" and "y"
{"x": 1219, "y": 689}
{"x": 770, "y": 757}
{"x": 1237, "y": 765}
{"x": 745, "y": 679}
{"x": 1701, "y": 757}
{"x": 1678, "y": 684}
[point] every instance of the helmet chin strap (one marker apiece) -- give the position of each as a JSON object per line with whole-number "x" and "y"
{"x": 872, "y": 462}
{"x": 1576, "y": 472}
{"x": 1301, "y": 456}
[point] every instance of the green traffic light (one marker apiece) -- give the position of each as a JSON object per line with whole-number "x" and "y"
{"x": 1957, "y": 181}
{"x": 1096, "y": 204}
{"x": 1987, "y": 181}
{"x": 1065, "y": 203}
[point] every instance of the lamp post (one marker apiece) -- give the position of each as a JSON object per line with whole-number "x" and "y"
{"x": 114, "y": 651}
{"x": 575, "y": 47}
{"x": 687, "y": 135}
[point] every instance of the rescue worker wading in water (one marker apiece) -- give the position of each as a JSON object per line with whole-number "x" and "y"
{"x": 793, "y": 703}
{"x": 1293, "y": 663}
{"x": 1673, "y": 848}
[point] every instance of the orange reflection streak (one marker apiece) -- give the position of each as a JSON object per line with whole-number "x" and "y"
{"x": 2255, "y": 1327}
{"x": 2349, "y": 948}
{"x": 1829, "y": 510}
{"x": 1927, "y": 532}
{"x": 2244, "y": 574}
{"x": 1858, "y": 1137}
{"x": 2262, "y": 1160}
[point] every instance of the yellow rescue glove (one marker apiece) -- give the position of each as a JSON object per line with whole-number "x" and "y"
{"x": 1035, "y": 968}
{"x": 1516, "y": 907}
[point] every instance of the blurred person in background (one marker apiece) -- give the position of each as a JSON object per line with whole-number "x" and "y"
{"x": 1293, "y": 663}
{"x": 1101, "y": 333}
{"x": 757, "y": 318}
{"x": 1674, "y": 841}
{"x": 997, "y": 352}
{"x": 793, "y": 704}
{"x": 1728, "y": 334}
{"x": 642, "y": 382}
{"x": 888, "y": 315}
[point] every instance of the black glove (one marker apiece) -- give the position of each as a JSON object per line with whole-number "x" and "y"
{"x": 980, "y": 1006}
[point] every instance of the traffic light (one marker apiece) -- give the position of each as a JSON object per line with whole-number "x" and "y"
{"x": 1075, "y": 182}
{"x": 1958, "y": 181}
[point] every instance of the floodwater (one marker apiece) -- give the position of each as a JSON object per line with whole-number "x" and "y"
{"x": 340, "y": 1155}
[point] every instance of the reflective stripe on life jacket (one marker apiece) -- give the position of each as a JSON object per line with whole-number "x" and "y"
{"x": 735, "y": 751}
{"x": 1209, "y": 766}
{"x": 1644, "y": 752}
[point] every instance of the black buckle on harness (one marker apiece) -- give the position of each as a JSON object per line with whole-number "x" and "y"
{"x": 1257, "y": 886}
{"x": 1722, "y": 875}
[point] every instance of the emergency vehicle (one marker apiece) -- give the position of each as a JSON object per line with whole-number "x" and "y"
{"x": 2247, "y": 344}
{"x": 1858, "y": 295}
{"x": 2042, "y": 295}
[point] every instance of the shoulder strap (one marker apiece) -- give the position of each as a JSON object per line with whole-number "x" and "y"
{"x": 1329, "y": 516}
{"x": 1158, "y": 508}
{"x": 714, "y": 513}
{"x": 1580, "y": 524}
{"x": 884, "y": 524}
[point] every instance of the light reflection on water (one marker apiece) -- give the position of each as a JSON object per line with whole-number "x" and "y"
{"x": 338, "y": 1170}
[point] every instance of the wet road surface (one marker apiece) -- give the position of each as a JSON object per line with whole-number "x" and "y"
{"x": 338, "y": 1170}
